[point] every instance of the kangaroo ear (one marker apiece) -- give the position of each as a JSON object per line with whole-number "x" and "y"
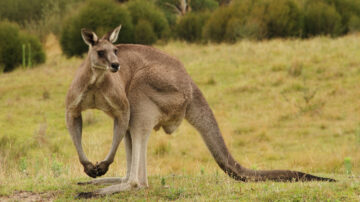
{"x": 113, "y": 35}
{"x": 89, "y": 37}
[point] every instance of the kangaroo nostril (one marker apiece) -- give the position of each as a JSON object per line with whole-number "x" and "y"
{"x": 115, "y": 65}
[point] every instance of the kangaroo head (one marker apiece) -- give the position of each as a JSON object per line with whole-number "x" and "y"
{"x": 102, "y": 52}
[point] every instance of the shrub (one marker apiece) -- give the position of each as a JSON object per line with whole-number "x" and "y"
{"x": 283, "y": 19}
{"x": 10, "y": 51}
{"x": 321, "y": 19}
{"x": 233, "y": 30}
{"x": 253, "y": 28}
{"x": 233, "y": 22}
{"x": 191, "y": 25}
{"x": 100, "y": 16}
{"x": 201, "y": 5}
{"x": 21, "y": 11}
{"x": 37, "y": 52}
{"x": 347, "y": 10}
{"x": 144, "y": 33}
{"x": 147, "y": 10}
{"x": 215, "y": 27}
{"x": 37, "y": 16}
{"x": 354, "y": 23}
{"x": 11, "y": 41}
{"x": 252, "y": 16}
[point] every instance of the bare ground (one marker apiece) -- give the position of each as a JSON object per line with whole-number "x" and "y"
{"x": 28, "y": 196}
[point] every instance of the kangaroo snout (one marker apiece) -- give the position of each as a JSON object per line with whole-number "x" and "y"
{"x": 115, "y": 67}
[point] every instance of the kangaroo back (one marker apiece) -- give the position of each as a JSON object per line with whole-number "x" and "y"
{"x": 201, "y": 117}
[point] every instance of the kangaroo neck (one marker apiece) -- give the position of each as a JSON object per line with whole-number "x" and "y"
{"x": 95, "y": 76}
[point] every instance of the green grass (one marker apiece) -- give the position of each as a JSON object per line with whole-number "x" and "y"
{"x": 281, "y": 104}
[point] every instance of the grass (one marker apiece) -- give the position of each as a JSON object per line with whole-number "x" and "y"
{"x": 281, "y": 104}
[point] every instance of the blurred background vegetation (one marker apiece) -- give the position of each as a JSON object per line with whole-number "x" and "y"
{"x": 24, "y": 22}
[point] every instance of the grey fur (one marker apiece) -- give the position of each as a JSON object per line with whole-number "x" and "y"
{"x": 151, "y": 90}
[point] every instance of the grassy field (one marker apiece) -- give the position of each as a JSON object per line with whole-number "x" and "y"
{"x": 281, "y": 104}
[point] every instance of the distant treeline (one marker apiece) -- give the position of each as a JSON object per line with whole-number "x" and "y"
{"x": 200, "y": 21}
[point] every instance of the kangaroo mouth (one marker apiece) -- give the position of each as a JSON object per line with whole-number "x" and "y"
{"x": 100, "y": 67}
{"x": 113, "y": 70}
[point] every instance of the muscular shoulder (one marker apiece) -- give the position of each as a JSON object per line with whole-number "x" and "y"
{"x": 148, "y": 54}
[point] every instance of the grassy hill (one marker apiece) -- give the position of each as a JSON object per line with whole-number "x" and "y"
{"x": 281, "y": 104}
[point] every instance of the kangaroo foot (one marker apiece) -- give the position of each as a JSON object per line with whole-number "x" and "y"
{"x": 107, "y": 180}
{"x": 109, "y": 190}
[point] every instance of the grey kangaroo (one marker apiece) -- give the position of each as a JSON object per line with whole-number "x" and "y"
{"x": 143, "y": 89}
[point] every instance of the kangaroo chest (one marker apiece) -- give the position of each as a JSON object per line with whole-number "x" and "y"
{"x": 95, "y": 99}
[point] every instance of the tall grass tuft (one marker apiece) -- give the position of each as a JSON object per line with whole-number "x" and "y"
{"x": 347, "y": 165}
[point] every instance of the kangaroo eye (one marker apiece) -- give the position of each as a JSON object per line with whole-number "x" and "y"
{"x": 115, "y": 51}
{"x": 101, "y": 53}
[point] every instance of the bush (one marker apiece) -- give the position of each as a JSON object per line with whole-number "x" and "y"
{"x": 215, "y": 27}
{"x": 347, "y": 10}
{"x": 100, "y": 16}
{"x": 147, "y": 10}
{"x": 37, "y": 52}
{"x": 321, "y": 19}
{"x": 236, "y": 21}
{"x": 37, "y": 16}
{"x": 21, "y": 11}
{"x": 247, "y": 21}
{"x": 233, "y": 30}
{"x": 144, "y": 33}
{"x": 201, "y": 5}
{"x": 10, "y": 51}
{"x": 191, "y": 25}
{"x": 11, "y": 41}
{"x": 283, "y": 18}
{"x": 354, "y": 24}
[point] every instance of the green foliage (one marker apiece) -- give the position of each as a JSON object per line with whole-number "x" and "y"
{"x": 100, "y": 16}
{"x": 56, "y": 168}
{"x": 250, "y": 21}
{"x": 10, "y": 44}
{"x": 23, "y": 165}
{"x": 37, "y": 52}
{"x": 36, "y": 16}
{"x": 347, "y": 165}
{"x": 347, "y": 10}
{"x": 243, "y": 19}
{"x": 233, "y": 29}
{"x": 163, "y": 182}
{"x": 147, "y": 10}
{"x": 215, "y": 27}
{"x": 354, "y": 23}
{"x": 144, "y": 33}
{"x": 283, "y": 19}
{"x": 201, "y": 5}
{"x": 168, "y": 11}
{"x": 191, "y": 25}
{"x": 21, "y": 11}
{"x": 321, "y": 19}
{"x": 11, "y": 41}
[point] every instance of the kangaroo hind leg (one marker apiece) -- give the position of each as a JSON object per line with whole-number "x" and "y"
{"x": 140, "y": 130}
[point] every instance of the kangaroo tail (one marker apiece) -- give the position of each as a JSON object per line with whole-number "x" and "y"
{"x": 201, "y": 117}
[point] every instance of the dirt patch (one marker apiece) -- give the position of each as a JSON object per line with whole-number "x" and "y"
{"x": 29, "y": 196}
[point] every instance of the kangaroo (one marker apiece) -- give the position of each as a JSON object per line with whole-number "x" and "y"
{"x": 143, "y": 89}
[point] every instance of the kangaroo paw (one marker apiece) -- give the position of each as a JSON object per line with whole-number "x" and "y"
{"x": 102, "y": 168}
